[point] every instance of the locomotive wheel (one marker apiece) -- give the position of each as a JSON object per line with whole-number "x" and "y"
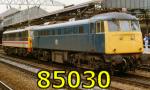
{"x": 39, "y": 55}
{"x": 25, "y": 54}
{"x": 9, "y": 51}
{"x": 44, "y": 55}
{"x": 35, "y": 54}
{"x": 93, "y": 64}
{"x": 20, "y": 52}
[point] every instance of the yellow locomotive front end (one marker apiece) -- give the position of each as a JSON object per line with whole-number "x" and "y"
{"x": 123, "y": 44}
{"x": 123, "y": 37}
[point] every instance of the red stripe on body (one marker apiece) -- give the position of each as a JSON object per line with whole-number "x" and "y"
{"x": 25, "y": 42}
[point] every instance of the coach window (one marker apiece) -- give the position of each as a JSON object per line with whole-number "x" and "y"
{"x": 23, "y": 36}
{"x": 9, "y": 36}
{"x": 13, "y": 35}
{"x": 56, "y": 31}
{"x": 92, "y": 29}
{"x": 53, "y": 31}
{"x": 39, "y": 33}
{"x": 59, "y": 31}
{"x": 81, "y": 29}
{"x": 20, "y": 36}
{"x": 16, "y": 36}
{"x": 26, "y": 34}
{"x": 6, "y": 37}
{"x": 69, "y": 30}
{"x": 36, "y": 33}
{"x": 3, "y": 37}
{"x": 50, "y": 32}
{"x": 98, "y": 27}
{"x": 75, "y": 30}
{"x": 45, "y": 32}
{"x": 66, "y": 31}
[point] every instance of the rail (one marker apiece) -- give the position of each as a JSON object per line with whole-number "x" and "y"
{"x": 3, "y": 86}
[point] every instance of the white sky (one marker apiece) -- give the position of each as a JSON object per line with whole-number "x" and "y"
{"x": 4, "y": 8}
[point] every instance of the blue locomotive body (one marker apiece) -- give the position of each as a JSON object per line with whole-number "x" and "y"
{"x": 72, "y": 36}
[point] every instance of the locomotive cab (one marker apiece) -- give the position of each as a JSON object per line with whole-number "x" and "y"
{"x": 123, "y": 36}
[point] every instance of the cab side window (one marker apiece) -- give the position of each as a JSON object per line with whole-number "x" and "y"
{"x": 102, "y": 26}
{"x": 99, "y": 26}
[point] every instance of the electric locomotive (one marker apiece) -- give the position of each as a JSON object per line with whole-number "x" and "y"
{"x": 110, "y": 41}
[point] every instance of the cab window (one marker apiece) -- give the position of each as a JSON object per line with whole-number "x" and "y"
{"x": 135, "y": 26}
{"x": 100, "y": 26}
{"x": 125, "y": 26}
{"x": 113, "y": 25}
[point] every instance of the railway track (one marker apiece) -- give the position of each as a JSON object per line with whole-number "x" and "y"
{"x": 3, "y": 86}
{"x": 145, "y": 67}
{"x": 32, "y": 66}
{"x": 132, "y": 79}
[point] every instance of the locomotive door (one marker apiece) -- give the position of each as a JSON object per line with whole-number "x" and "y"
{"x": 35, "y": 40}
{"x": 92, "y": 36}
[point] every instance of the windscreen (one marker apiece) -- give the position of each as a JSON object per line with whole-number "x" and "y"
{"x": 123, "y": 25}
{"x": 135, "y": 26}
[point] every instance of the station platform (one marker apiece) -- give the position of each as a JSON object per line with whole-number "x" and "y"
{"x": 146, "y": 51}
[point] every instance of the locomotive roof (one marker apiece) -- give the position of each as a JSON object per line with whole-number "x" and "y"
{"x": 20, "y": 30}
{"x": 79, "y": 22}
{"x": 114, "y": 15}
{"x": 13, "y": 31}
{"x": 105, "y": 16}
